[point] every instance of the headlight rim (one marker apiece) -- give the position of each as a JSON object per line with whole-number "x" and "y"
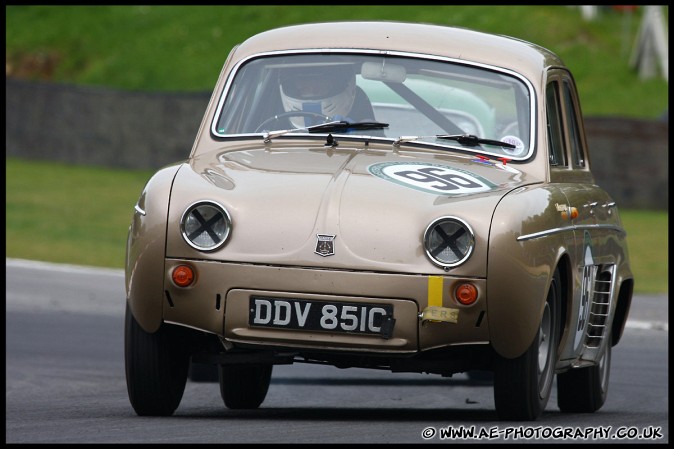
{"x": 465, "y": 257}
{"x": 221, "y": 209}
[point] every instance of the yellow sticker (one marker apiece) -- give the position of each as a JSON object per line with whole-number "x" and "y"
{"x": 440, "y": 314}
{"x": 435, "y": 290}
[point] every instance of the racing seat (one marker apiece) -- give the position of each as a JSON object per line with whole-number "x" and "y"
{"x": 362, "y": 108}
{"x": 362, "y": 111}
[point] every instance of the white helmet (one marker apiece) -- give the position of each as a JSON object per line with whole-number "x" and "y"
{"x": 328, "y": 90}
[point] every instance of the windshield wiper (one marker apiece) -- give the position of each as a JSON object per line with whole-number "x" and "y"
{"x": 470, "y": 140}
{"x": 345, "y": 126}
{"x": 329, "y": 127}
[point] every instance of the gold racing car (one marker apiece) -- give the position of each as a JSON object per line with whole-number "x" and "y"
{"x": 397, "y": 196}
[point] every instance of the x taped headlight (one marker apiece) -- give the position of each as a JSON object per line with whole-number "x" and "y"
{"x": 205, "y": 225}
{"x": 449, "y": 242}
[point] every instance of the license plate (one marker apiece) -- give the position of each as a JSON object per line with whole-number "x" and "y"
{"x": 301, "y": 314}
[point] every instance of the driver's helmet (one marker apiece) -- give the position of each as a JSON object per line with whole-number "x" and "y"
{"x": 326, "y": 89}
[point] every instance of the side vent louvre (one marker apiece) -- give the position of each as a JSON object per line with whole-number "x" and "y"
{"x": 600, "y": 308}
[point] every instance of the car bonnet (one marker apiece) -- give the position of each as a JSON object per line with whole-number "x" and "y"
{"x": 375, "y": 203}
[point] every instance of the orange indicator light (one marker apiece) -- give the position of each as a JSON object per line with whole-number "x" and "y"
{"x": 183, "y": 275}
{"x": 466, "y": 294}
{"x": 570, "y": 214}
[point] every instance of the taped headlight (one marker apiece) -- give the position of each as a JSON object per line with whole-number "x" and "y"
{"x": 205, "y": 225}
{"x": 449, "y": 242}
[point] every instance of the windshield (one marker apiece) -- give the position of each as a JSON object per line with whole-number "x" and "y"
{"x": 417, "y": 98}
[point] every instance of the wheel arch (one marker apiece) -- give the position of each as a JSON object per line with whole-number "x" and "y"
{"x": 622, "y": 310}
{"x": 146, "y": 249}
{"x": 525, "y": 249}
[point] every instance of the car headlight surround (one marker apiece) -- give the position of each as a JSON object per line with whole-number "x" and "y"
{"x": 449, "y": 241}
{"x": 205, "y": 225}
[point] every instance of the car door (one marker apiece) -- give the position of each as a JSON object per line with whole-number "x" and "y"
{"x": 592, "y": 219}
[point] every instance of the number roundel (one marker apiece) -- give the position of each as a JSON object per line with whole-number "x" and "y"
{"x": 431, "y": 178}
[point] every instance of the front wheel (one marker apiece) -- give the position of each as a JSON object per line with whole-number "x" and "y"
{"x": 522, "y": 385}
{"x": 584, "y": 390}
{"x": 244, "y": 386}
{"x": 156, "y": 367}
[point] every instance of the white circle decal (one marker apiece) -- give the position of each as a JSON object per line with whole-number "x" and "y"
{"x": 513, "y": 140}
{"x": 431, "y": 178}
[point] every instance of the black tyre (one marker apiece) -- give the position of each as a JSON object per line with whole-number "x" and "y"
{"x": 522, "y": 385}
{"x": 156, "y": 367}
{"x": 584, "y": 390}
{"x": 244, "y": 386}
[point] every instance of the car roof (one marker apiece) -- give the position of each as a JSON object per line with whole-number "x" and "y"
{"x": 452, "y": 42}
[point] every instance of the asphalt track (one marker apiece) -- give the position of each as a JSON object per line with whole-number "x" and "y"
{"x": 65, "y": 384}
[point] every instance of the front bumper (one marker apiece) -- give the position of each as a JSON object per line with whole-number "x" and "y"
{"x": 218, "y": 303}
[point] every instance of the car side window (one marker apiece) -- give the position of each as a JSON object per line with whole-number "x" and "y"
{"x": 577, "y": 152}
{"x": 555, "y": 136}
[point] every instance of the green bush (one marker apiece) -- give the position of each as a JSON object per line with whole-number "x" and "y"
{"x": 183, "y": 48}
